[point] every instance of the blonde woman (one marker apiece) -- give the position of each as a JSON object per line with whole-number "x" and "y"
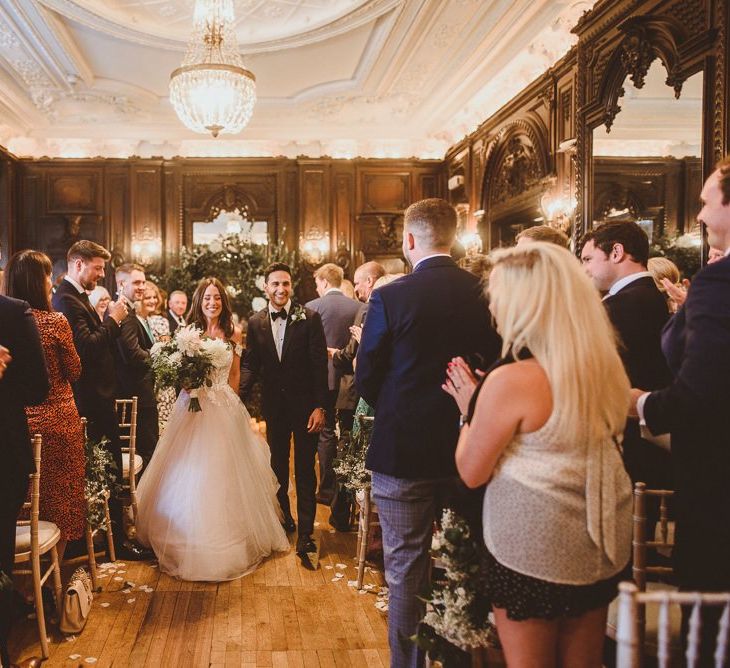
{"x": 543, "y": 434}
{"x": 667, "y": 279}
{"x": 149, "y": 309}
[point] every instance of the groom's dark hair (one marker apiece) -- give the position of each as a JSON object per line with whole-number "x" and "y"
{"x": 276, "y": 266}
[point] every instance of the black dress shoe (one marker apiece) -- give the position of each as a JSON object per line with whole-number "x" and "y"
{"x": 129, "y": 551}
{"x": 307, "y": 553}
{"x": 289, "y": 525}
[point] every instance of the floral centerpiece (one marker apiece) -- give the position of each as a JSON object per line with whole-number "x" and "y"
{"x": 187, "y": 361}
{"x": 457, "y": 611}
{"x": 350, "y": 463}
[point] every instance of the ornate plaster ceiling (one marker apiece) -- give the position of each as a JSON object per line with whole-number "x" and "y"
{"x": 375, "y": 78}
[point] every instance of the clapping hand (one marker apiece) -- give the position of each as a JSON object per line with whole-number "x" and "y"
{"x": 5, "y": 359}
{"x": 677, "y": 293}
{"x": 461, "y": 382}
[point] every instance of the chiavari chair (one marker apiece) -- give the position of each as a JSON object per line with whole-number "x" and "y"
{"x": 127, "y": 415}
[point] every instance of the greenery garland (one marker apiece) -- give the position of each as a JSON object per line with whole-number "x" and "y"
{"x": 101, "y": 479}
{"x": 237, "y": 262}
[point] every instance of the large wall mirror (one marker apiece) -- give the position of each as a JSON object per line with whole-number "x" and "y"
{"x": 648, "y": 166}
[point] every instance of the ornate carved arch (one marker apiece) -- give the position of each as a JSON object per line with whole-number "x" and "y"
{"x": 516, "y": 160}
{"x": 230, "y": 198}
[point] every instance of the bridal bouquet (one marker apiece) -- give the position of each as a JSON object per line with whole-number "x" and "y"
{"x": 186, "y": 361}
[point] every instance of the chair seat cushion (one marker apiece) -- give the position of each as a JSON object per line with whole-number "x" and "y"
{"x": 48, "y": 536}
{"x": 652, "y": 622}
{"x": 138, "y": 464}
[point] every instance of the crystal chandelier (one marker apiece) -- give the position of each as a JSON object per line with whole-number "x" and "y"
{"x": 212, "y": 91}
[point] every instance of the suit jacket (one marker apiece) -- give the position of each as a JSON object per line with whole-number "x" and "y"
{"x": 342, "y": 361}
{"x": 132, "y": 362}
{"x": 415, "y": 325}
{"x": 338, "y": 313}
{"x": 25, "y": 383}
{"x": 173, "y": 322}
{"x": 295, "y": 385}
{"x": 694, "y": 410}
{"x": 639, "y": 312}
{"x": 94, "y": 341}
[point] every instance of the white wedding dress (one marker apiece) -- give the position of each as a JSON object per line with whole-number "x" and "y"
{"x": 207, "y": 500}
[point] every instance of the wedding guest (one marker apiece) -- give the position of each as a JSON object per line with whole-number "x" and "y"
{"x": 543, "y": 434}
{"x": 95, "y": 342}
{"x": 414, "y": 326}
{"x": 348, "y": 289}
{"x": 615, "y": 255}
{"x": 132, "y": 360}
{"x": 478, "y": 264}
{"x": 177, "y": 304}
{"x": 285, "y": 347}
{"x": 661, "y": 269}
{"x": 100, "y": 299}
{"x": 692, "y": 408}
{"x": 543, "y": 233}
{"x": 63, "y": 459}
{"x": 148, "y": 308}
{"x": 23, "y": 382}
{"x": 338, "y": 314}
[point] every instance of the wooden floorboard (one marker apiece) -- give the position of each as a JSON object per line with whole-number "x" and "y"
{"x": 281, "y": 615}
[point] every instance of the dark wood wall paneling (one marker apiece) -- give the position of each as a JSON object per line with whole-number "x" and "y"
{"x": 110, "y": 201}
{"x": 8, "y": 180}
{"x": 541, "y": 141}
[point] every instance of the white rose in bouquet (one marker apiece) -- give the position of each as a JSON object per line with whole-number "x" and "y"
{"x": 188, "y": 340}
{"x": 217, "y": 349}
{"x": 257, "y": 303}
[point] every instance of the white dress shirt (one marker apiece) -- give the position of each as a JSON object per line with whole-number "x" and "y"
{"x": 278, "y": 327}
{"x": 76, "y": 284}
{"x": 623, "y": 282}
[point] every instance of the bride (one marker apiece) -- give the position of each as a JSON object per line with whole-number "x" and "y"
{"x": 207, "y": 501}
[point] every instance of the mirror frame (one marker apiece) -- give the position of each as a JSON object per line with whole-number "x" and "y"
{"x": 688, "y": 36}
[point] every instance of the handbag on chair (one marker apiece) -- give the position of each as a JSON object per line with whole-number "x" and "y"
{"x": 76, "y": 602}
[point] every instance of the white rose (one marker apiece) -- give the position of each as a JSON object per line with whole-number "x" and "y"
{"x": 218, "y": 351}
{"x": 175, "y": 358}
{"x": 257, "y": 303}
{"x": 260, "y": 283}
{"x": 156, "y": 347}
{"x": 188, "y": 340}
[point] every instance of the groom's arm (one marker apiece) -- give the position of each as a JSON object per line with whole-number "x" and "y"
{"x": 250, "y": 362}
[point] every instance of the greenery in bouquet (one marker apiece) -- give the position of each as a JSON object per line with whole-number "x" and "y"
{"x": 457, "y": 615}
{"x": 350, "y": 463}
{"x": 237, "y": 262}
{"x": 101, "y": 479}
{"x": 187, "y": 361}
{"x": 682, "y": 250}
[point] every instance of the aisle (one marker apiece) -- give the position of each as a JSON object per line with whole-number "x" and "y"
{"x": 281, "y": 615}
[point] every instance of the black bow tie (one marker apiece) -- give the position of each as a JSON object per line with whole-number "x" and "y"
{"x": 278, "y": 314}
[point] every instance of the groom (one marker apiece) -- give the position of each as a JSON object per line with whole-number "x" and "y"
{"x": 286, "y": 348}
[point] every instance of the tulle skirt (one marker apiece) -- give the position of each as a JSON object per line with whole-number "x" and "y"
{"x": 207, "y": 501}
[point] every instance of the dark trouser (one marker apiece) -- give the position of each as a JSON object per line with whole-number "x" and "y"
{"x": 279, "y": 431}
{"x": 12, "y": 495}
{"x": 103, "y": 422}
{"x": 327, "y": 450}
{"x": 148, "y": 431}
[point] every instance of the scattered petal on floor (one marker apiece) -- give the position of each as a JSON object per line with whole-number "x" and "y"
{"x": 131, "y": 600}
{"x": 341, "y": 566}
{"x": 316, "y": 524}
{"x": 104, "y": 605}
{"x": 90, "y": 659}
{"x": 362, "y": 591}
{"x": 119, "y": 578}
{"x": 70, "y": 638}
{"x": 73, "y": 657}
{"x": 329, "y": 568}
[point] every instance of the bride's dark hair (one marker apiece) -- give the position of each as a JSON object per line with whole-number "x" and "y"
{"x": 195, "y": 314}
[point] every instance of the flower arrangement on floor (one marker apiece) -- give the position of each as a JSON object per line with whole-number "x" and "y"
{"x": 238, "y": 262}
{"x": 457, "y": 615}
{"x": 101, "y": 479}
{"x": 186, "y": 361}
{"x": 350, "y": 463}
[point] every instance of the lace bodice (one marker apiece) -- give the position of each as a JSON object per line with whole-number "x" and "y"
{"x": 222, "y": 367}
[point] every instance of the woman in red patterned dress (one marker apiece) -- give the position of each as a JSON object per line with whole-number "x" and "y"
{"x": 63, "y": 460}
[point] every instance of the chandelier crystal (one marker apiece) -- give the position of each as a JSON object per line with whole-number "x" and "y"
{"x": 212, "y": 91}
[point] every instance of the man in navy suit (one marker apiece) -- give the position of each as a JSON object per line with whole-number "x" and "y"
{"x": 415, "y": 326}
{"x": 693, "y": 408}
{"x": 338, "y": 314}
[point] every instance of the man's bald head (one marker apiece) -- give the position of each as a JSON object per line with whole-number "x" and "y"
{"x": 365, "y": 277}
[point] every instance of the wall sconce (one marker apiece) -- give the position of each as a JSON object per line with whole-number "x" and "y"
{"x": 558, "y": 211}
{"x": 314, "y": 246}
{"x": 472, "y": 242}
{"x": 146, "y": 247}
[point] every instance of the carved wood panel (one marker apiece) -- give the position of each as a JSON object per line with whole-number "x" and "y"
{"x": 385, "y": 192}
{"x": 72, "y": 193}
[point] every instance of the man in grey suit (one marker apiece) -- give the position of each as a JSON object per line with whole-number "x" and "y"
{"x": 338, "y": 313}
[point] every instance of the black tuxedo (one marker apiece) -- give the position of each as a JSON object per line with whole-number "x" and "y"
{"x": 292, "y": 388}
{"x": 173, "y": 321}
{"x": 96, "y": 388}
{"x": 639, "y": 312}
{"x": 135, "y": 378}
{"x": 25, "y": 383}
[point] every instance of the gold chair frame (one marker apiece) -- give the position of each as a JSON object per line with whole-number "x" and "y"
{"x": 127, "y": 414}
{"x": 37, "y": 550}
